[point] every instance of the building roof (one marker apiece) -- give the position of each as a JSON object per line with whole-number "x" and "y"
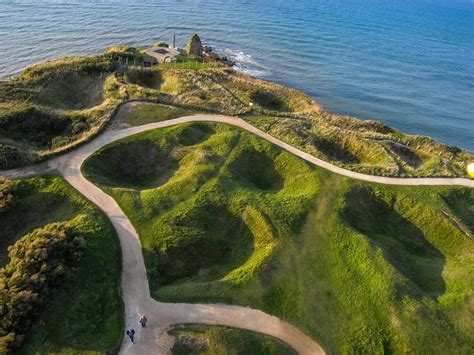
{"x": 161, "y": 54}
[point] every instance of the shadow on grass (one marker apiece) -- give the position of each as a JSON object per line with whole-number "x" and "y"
{"x": 403, "y": 244}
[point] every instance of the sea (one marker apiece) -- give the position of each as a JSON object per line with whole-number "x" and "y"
{"x": 407, "y": 63}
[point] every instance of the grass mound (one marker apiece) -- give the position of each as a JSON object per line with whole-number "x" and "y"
{"x": 84, "y": 311}
{"x": 194, "y": 134}
{"x": 200, "y": 339}
{"x": 73, "y": 91}
{"x": 183, "y": 248}
{"x": 140, "y": 114}
{"x": 204, "y": 224}
{"x": 145, "y": 77}
{"x": 129, "y": 165}
{"x": 404, "y": 245}
{"x": 67, "y": 101}
{"x": 55, "y": 105}
{"x": 361, "y": 268}
{"x": 461, "y": 203}
{"x": 257, "y": 169}
{"x": 364, "y": 146}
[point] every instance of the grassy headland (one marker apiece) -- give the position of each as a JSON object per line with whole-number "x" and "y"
{"x": 365, "y": 146}
{"x": 82, "y": 310}
{"x": 200, "y": 339}
{"x": 226, "y": 217}
{"x": 53, "y": 106}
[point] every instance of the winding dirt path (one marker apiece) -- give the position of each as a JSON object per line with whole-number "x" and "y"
{"x": 115, "y": 133}
{"x": 135, "y": 289}
{"x": 136, "y": 294}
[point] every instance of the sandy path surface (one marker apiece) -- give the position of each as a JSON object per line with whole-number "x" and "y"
{"x": 136, "y": 294}
{"x": 115, "y": 133}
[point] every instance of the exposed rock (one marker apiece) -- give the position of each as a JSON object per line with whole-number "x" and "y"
{"x": 194, "y": 46}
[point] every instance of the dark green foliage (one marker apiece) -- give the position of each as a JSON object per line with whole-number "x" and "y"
{"x": 6, "y": 193}
{"x": 84, "y": 312}
{"x": 38, "y": 262}
{"x": 22, "y": 121}
{"x": 12, "y": 157}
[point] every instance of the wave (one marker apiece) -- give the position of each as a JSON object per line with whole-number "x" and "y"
{"x": 245, "y": 63}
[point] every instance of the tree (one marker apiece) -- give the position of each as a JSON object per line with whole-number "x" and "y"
{"x": 38, "y": 262}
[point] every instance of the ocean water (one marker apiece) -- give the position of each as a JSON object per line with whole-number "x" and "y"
{"x": 407, "y": 63}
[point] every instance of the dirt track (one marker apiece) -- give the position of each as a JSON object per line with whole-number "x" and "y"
{"x": 136, "y": 294}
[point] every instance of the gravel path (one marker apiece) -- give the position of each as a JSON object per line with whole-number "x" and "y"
{"x": 136, "y": 294}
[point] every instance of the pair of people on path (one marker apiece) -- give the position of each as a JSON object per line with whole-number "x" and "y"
{"x": 131, "y": 332}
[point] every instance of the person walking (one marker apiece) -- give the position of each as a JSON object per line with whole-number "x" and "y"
{"x": 143, "y": 320}
{"x": 131, "y": 335}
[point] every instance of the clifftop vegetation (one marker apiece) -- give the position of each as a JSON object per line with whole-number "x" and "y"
{"x": 6, "y": 193}
{"x": 55, "y": 105}
{"x": 51, "y": 241}
{"x": 361, "y": 268}
{"x": 38, "y": 262}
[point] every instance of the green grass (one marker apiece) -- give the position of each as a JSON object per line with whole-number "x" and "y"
{"x": 56, "y": 105}
{"x": 52, "y": 106}
{"x": 84, "y": 313}
{"x": 364, "y": 146}
{"x": 362, "y": 268}
{"x": 143, "y": 114}
{"x": 187, "y": 64}
{"x": 216, "y": 340}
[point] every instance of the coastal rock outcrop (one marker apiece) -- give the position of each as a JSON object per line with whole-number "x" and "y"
{"x": 194, "y": 46}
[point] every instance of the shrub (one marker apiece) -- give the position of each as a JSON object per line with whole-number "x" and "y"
{"x": 33, "y": 123}
{"x": 11, "y": 157}
{"x": 38, "y": 262}
{"x": 6, "y": 193}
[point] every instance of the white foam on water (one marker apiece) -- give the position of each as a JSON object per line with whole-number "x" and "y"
{"x": 245, "y": 63}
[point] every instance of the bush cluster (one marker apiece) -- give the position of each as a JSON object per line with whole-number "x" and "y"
{"x": 37, "y": 124}
{"x": 6, "y": 193}
{"x": 11, "y": 157}
{"x": 38, "y": 262}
